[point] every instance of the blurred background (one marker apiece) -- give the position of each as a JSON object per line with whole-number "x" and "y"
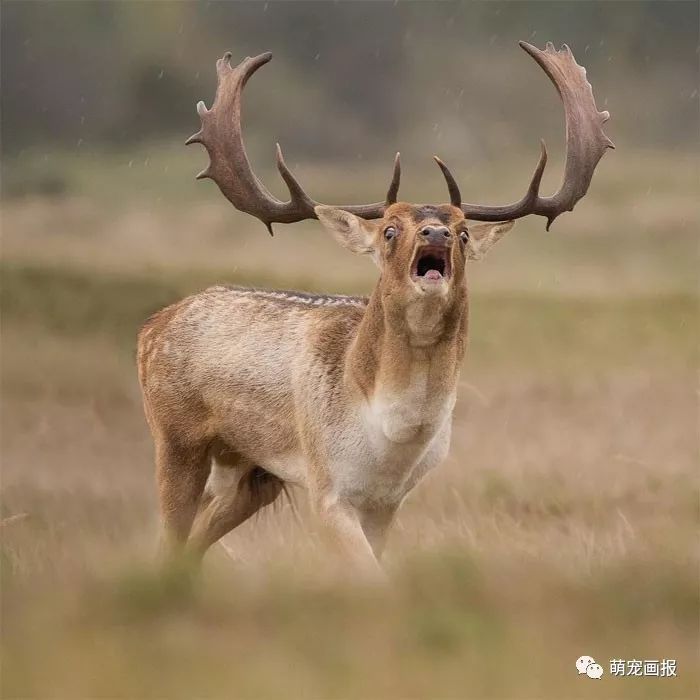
{"x": 563, "y": 522}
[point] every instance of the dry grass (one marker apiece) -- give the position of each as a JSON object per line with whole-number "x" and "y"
{"x": 564, "y": 522}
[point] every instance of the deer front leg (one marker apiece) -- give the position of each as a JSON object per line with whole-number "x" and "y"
{"x": 343, "y": 524}
{"x": 375, "y": 524}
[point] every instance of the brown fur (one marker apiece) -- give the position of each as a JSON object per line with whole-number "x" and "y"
{"x": 246, "y": 390}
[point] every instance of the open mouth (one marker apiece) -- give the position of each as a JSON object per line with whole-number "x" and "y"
{"x": 431, "y": 263}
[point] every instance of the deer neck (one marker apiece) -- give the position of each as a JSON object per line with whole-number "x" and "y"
{"x": 409, "y": 352}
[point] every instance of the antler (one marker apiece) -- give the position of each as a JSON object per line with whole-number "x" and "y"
{"x": 585, "y": 145}
{"x": 230, "y": 168}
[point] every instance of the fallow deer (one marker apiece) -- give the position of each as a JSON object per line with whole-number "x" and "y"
{"x": 247, "y": 390}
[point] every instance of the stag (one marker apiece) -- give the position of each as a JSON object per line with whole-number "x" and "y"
{"x": 249, "y": 390}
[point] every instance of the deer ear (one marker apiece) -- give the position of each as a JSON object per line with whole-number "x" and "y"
{"x": 349, "y": 230}
{"x": 483, "y": 236}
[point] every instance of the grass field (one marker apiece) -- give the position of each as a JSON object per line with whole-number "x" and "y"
{"x": 563, "y": 523}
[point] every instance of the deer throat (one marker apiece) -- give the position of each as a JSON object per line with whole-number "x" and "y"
{"x": 426, "y": 320}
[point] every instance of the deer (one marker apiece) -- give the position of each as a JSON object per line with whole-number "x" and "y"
{"x": 248, "y": 391}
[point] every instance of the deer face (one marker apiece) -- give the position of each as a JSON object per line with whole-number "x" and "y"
{"x": 421, "y": 249}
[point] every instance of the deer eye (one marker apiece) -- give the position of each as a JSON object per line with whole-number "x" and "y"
{"x": 389, "y": 233}
{"x": 464, "y": 236}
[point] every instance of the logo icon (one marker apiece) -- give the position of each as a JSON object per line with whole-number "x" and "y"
{"x": 587, "y": 665}
{"x": 594, "y": 671}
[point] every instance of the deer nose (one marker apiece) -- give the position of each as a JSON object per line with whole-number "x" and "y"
{"x": 436, "y": 235}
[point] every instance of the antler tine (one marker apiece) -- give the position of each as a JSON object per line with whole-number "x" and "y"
{"x": 230, "y": 168}
{"x": 295, "y": 189}
{"x": 393, "y": 192}
{"x": 452, "y": 186}
{"x": 585, "y": 143}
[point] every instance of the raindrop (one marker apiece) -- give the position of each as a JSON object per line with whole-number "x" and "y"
{"x": 161, "y": 74}
{"x": 317, "y": 56}
{"x": 80, "y": 143}
{"x": 131, "y": 162}
{"x": 588, "y": 46}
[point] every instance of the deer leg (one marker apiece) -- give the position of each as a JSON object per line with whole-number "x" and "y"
{"x": 343, "y": 523}
{"x": 375, "y": 525}
{"x": 181, "y": 473}
{"x": 238, "y": 496}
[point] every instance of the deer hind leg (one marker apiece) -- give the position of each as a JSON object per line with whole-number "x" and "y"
{"x": 181, "y": 472}
{"x": 235, "y": 493}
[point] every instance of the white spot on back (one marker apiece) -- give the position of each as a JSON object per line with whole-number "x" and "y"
{"x": 292, "y": 297}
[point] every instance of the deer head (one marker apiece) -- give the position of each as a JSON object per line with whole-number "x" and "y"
{"x": 421, "y": 249}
